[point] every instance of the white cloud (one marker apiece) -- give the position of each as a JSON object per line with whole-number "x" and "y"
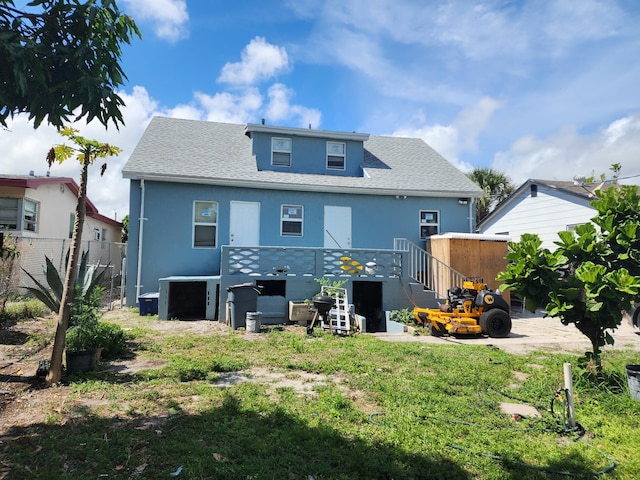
{"x": 568, "y": 153}
{"x": 460, "y": 136}
{"x": 280, "y": 108}
{"x": 260, "y": 61}
{"x": 169, "y": 17}
{"x": 25, "y": 149}
{"x": 230, "y": 107}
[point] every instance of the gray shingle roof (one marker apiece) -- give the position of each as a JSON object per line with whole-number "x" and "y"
{"x": 220, "y": 153}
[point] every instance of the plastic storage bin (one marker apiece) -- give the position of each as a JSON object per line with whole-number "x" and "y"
{"x": 148, "y": 303}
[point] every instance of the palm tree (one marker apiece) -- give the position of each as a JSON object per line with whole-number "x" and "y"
{"x": 86, "y": 152}
{"x": 496, "y": 187}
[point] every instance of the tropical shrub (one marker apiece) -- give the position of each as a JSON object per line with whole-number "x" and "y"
{"x": 594, "y": 274}
{"x": 89, "y": 279}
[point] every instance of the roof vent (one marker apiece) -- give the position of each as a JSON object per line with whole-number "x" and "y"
{"x": 578, "y": 180}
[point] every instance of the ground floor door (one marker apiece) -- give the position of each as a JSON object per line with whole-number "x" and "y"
{"x": 337, "y": 227}
{"x": 244, "y": 224}
{"x": 367, "y": 300}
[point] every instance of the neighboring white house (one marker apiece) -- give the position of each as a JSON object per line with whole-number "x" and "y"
{"x": 543, "y": 207}
{"x": 38, "y": 214}
{"x": 44, "y": 207}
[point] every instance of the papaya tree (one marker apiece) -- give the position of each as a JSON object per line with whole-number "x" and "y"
{"x": 592, "y": 277}
{"x": 86, "y": 151}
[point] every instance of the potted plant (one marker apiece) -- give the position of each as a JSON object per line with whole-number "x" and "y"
{"x": 83, "y": 338}
{"x": 81, "y": 349}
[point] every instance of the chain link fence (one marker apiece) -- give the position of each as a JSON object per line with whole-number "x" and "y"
{"x": 34, "y": 250}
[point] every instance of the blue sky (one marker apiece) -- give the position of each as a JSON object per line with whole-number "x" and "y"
{"x": 537, "y": 89}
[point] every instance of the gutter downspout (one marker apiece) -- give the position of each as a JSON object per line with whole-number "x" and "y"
{"x": 140, "y": 232}
{"x": 472, "y": 201}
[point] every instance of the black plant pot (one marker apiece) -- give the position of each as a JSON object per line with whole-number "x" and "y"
{"x": 81, "y": 361}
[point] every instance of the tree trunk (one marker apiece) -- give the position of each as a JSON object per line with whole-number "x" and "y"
{"x": 593, "y": 332}
{"x": 55, "y": 370}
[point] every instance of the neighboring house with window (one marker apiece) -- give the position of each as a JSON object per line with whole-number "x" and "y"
{"x": 543, "y": 207}
{"x": 227, "y": 203}
{"x": 39, "y": 212}
{"x": 44, "y": 207}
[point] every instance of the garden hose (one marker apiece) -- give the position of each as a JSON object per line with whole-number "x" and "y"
{"x": 558, "y": 396}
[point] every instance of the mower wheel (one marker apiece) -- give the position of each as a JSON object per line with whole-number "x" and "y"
{"x": 496, "y": 323}
{"x": 436, "y": 330}
{"x": 636, "y": 317}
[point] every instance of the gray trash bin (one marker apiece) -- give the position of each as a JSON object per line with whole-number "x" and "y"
{"x": 242, "y": 298}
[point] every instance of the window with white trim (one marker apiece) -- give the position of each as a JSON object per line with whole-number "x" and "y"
{"x": 96, "y": 234}
{"x": 281, "y": 152}
{"x": 429, "y": 223}
{"x": 205, "y": 224}
{"x": 30, "y": 215}
{"x": 336, "y": 155}
{"x": 291, "y": 221}
{"x": 9, "y": 213}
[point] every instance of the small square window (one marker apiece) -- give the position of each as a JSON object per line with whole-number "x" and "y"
{"x": 281, "y": 152}
{"x": 336, "y": 156}
{"x": 9, "y": 213}
{"x": 30, "y": 215}
{"x": 291, "y": 221}
{"x": 205, "y": 224}
{"x": 429, "y": 223}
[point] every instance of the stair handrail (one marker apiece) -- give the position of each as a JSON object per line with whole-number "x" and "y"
{"x": 428, "y": 270}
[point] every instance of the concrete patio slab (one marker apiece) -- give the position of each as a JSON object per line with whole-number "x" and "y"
{"x": 530, "y": 331}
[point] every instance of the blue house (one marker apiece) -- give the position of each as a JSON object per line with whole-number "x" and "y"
{"x": 214, "y": 205}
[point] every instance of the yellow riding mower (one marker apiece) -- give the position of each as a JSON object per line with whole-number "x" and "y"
{"x": 470, "y": 309}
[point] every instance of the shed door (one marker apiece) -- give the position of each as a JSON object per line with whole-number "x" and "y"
{"x": 244, "y": 224}
{"x": 337, "y": 227}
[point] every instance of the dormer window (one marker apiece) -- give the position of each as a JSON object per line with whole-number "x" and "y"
{"x": 281, "y": 152}
{"x": 335, "y": 156}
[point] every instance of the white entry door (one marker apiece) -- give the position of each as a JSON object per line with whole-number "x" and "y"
{"x": 337, "y": 227}
{"x": 244, "y": 224}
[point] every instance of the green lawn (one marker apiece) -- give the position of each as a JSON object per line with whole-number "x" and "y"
{"x": 373, "y": 410}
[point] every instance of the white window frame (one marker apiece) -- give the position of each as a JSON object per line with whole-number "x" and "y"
{"x": 286, "y": 216}
{"x": 280, "y": 147}
{"x": 333, "y": 155}
{"x": 96, "y": 234}
{"x": 198, "y": 222}
{"x": 426, "y": 219}
{"x": 30, "y": 217}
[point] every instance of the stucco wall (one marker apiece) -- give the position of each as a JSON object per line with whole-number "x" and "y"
{"x": 168, "y": 209}
{"x": 308, "y": 155}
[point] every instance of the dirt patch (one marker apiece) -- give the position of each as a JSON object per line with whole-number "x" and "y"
{"x": 25, "y": 399}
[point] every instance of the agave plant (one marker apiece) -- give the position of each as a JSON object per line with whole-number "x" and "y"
{"x": 89, "y": 278}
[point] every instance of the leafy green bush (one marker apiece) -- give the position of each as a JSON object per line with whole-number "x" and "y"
{"x": 402, "y": 316}
{"x": 112, "y": 339}
{"x": 14, "y": 312}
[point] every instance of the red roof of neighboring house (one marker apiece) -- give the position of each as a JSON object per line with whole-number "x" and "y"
{"x": 30, "y": 181}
